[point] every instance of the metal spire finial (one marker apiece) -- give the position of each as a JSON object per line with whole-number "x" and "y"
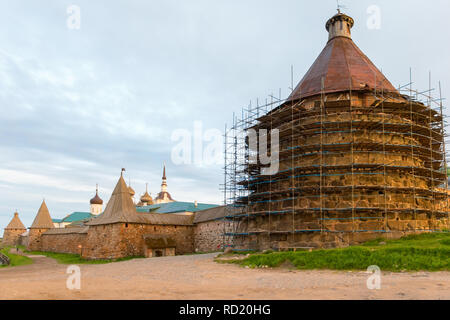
{"x": 339, "y": 7}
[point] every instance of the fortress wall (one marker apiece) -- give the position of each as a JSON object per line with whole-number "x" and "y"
{"x": 35, "y": 239}
{"x": 124, "y": 240}
{"x": 63, "y": 243}
{"x": 208, "y": 235}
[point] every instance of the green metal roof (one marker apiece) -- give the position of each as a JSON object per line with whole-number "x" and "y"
{"x": 74, "y": 216}
{"x": 174, "y": 207}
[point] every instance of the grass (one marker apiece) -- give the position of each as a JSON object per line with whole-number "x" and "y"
{"x": 424, "y": 252}
{"x": 68, "y": 258}
{"x": 16, "y": 260}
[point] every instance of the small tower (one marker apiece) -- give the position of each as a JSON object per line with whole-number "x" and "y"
{"x": 146, "y": 199}
{"x": 41, "y": 223}
{"x": 119, "y": 223}
{"x": 164, "y": 196}
{"x": 339, "y": 26}
{"x": 96, "y": 203}
{"x": 13, "y": 231}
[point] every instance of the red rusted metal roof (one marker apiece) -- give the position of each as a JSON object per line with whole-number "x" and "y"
{"x": 342, "y": 65}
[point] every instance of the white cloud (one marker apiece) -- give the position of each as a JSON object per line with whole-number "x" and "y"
{"x": 32, "y": 179}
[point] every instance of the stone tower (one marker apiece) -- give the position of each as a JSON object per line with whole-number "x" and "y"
{"x": 357, "y": 159}
{"x": 114, "y": 234}
{"x": 13, "y": 231}
{"x": 41, "y": 223}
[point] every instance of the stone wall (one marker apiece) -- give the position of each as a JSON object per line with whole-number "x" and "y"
{"x": 123, "y": 240}
{"x": 63, "y": 243}
{"x": 338, "y": 233}
{"x": 208, "y": 235}
{"x": 24, "y": 240}
{"x": 34, "y": 239}
{"x": 11, "y": 236}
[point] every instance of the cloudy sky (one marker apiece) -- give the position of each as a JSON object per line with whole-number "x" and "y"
{"x": 77, "y": 105}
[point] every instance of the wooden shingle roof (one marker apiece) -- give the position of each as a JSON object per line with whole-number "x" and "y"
{"x": 43, "y": 219}
{"x": 120, "y": 208}
{"x": 15, "y": 223}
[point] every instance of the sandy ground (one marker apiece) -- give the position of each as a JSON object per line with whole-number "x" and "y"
{"x": 199, "y": 277}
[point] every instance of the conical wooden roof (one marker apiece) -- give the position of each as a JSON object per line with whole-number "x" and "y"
{"x": 120, "y": 208}
{"x": 15, "y": 223}
{"x": 341, "y": 65}
{"x": 43, "y": 219}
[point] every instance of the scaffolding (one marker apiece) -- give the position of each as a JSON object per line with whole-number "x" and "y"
{"x": 350, "y": 163}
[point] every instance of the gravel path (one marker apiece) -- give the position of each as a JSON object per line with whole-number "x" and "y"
{"x": 199, "y": 277}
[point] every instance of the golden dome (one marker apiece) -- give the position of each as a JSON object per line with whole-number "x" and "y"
{"x": 146, "y": 198}
{"x": 131, "y": 191}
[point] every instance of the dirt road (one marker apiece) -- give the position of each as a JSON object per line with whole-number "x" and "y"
{"x": 199, "y": 277}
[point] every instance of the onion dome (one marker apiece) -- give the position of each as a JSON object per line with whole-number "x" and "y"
{"x": 131, "y": 191}
{"x": 96, "y": 199}
{"x": 146, "y": 198}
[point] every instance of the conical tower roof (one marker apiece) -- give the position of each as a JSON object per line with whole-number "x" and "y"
{"x": 341, "y": 65}
{"x": 43, "y": 219}
{"x": 120, "y": 208}
{"x": 15, "y": 223}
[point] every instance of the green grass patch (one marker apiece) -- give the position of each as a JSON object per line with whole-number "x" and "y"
{"x": 69, "y": 258}
{"x": 15, "y": 259}
{"x": 424, "y": 252}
